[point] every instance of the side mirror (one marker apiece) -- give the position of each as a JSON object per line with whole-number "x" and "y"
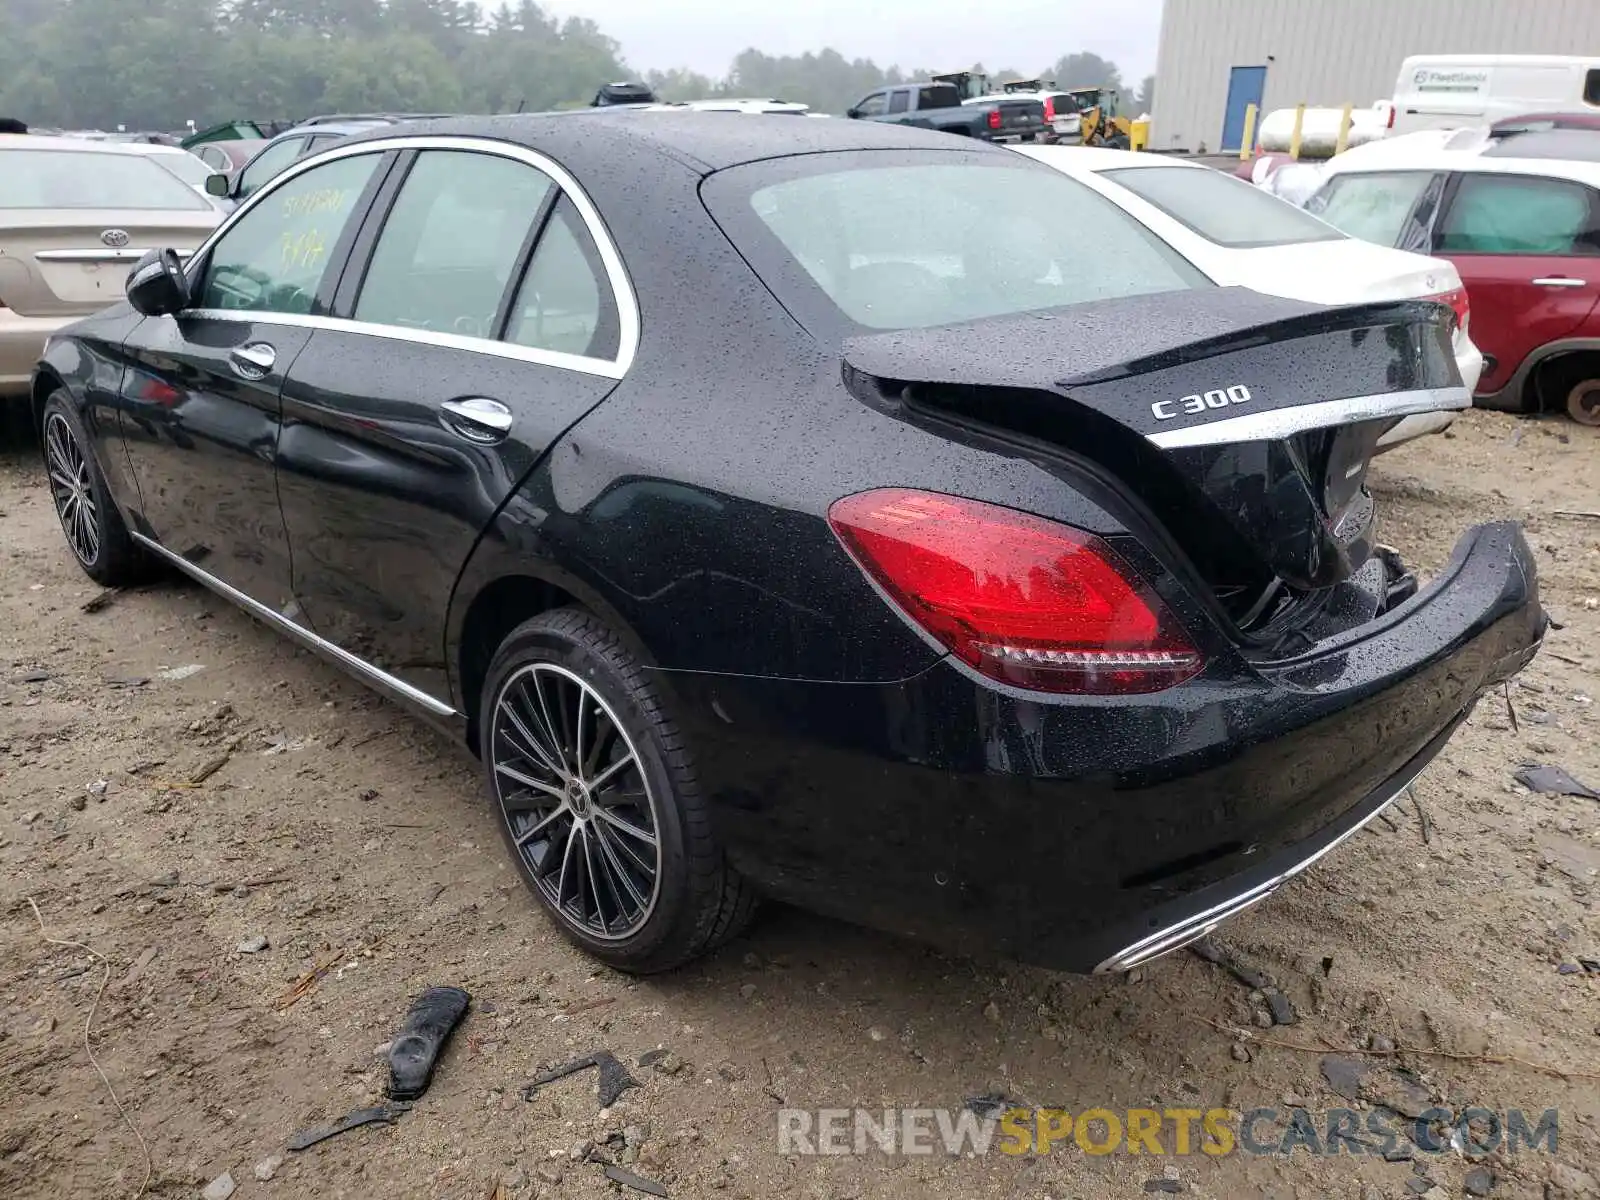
{"x": 852, "y": 113}
{"x": 157, "y": 286}
{"x": 217, "y": 185}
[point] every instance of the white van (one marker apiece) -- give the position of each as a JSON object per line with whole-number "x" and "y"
{"x": 1445, "y": 91}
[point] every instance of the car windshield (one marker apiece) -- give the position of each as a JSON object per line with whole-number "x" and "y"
{"x": 1221, "y": 208}
{"x": 920, "y": 239}
{"x": 88, "y": 179}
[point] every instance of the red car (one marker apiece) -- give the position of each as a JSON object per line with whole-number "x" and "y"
{"x": 1524, "y": 231}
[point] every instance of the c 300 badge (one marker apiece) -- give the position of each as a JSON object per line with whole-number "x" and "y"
{"x": 1193, "y": 406}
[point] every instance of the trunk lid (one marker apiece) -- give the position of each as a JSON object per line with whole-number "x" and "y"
{"x": 66, "y": 262}
{"x": 1245, "y": 423}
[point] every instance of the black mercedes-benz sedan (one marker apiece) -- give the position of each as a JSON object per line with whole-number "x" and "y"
{"x": 831, "y": 512}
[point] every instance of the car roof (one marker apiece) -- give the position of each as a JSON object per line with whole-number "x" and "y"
{"x": 1467, "y": 150}
{"x": 1578, "y": 145}
{"x": 337, "y": 128}
{"x": 704, "y": 141}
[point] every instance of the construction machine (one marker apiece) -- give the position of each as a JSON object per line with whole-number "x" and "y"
{"x": 1103, "y": 121}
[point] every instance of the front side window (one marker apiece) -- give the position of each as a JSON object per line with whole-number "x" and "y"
{"x": 565, "y": 302}
{"x": 1221, "y": 208}
{"x": 940, "y": 239}
{"x": 89, "y": 179}
{"x": 1519, "y": 214}
{"x": 873, "y": 106}
{"x": 272, "y": 259}
{"x": 451, "y": 243}
{"x": 268, "y": 163}
{"x": 214, "y": 158}
{"x": 1374, "y": 206}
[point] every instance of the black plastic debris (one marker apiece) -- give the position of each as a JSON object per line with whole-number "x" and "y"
{"x": 637, "y": 1182}
{"x": 1217, "y": 956}
{"x": 991, "y": 1106}
{"x": 385, "y": 1114}
{"x": 1553, "y": 781}
{"x": 614, "y": 1077}
{"x": 429, "y": 1023}
{"x": 413, "y": 1054}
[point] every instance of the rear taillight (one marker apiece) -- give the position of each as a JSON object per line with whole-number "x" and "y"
{"x": 1024, "y": 600}
{"x": 1049, "y": 108}
{"x": 994, "y": 118}
{"x": 1459, "y": 304}
{"x": 1389, "y": 124}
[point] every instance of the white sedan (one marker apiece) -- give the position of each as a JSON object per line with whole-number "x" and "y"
{"x": 1238, "y": 234}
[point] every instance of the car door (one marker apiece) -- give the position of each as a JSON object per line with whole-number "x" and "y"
{"x": 1528, "y": 250}
{"x": 871, "y": 107}
{"x": 484, "y": 313}
{"x": 200, "y": 397}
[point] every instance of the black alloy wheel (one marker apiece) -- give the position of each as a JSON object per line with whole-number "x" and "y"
{"x": 598, "y": 800}
{"x": 95, "y": 531}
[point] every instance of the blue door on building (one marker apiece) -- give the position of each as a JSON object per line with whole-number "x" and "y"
{"x": 1245, "y": 86}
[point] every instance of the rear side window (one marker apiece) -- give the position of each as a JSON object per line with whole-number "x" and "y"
{"x": 1519, "y": 214}
{"x": 938, "y": 97}
{"x": 565, "y": 302}
{"x": 1374, "y": 207}
{"x": 1591, "y": 88}
{"x": 89, "y": 179}
{"x": 1221, "y": 208}
{"x": 451, "y": 243}
{"x": 947, "y": 239}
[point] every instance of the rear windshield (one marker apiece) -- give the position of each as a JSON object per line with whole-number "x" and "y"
{"x": 87, "y": 179}
{"x": 909, "y": 240}
{"x": 185, "y": 166}
{"x": 1222, "y": 208}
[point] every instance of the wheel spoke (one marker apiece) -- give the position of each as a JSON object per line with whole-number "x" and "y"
{"x": 59, "y": 476}
{"x": 593, "y": 877}
{"x": 527, "y": 780}
{"x": 541, "y": 825}
{"x": 600, "y": 780}
{"x": 555, "y": 741}
{"x": 602, "y": 743}
{"x": 566, "y": 859}
{"x": 615, "y": 866}
{"x": 531, "y": 751}
{"x": 627, "y": 827}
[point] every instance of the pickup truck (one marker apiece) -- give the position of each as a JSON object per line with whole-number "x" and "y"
{"x": 939, "y": 106}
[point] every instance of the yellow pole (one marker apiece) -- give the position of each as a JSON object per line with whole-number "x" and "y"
{"x": 1294, "y": 138}
{"x": 1249, "y": 131}
{"x": 1344, "y": 129}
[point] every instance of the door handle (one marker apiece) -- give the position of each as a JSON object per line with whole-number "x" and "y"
{"x": 1559, "y": 281}
{"x": 252, "y": 360}
{"x": 477, "y": 418}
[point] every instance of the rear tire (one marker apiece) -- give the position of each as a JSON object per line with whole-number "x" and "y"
{"x": 598, "y": 800}
{"x": 90, "y": 520}
{"x": 1583, "y": 402}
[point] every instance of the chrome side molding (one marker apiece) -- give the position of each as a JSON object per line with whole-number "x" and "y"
{"x": 360, "y": 667}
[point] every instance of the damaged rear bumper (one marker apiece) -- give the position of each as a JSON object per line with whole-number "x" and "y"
{"x": 1082, "y": 833}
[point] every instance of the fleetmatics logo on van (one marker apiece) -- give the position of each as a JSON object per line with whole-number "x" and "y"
{"x": 1426, "y": 80}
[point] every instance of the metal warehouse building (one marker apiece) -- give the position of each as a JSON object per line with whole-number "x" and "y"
{"x": 1217, "y": 56}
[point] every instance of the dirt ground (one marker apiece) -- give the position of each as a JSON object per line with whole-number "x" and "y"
{"x": 348, "y": 835}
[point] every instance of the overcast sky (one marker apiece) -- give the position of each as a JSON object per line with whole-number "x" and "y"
{"x": 941, "y": 34}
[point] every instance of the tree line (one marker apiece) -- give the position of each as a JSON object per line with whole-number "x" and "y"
{"x": 156, "y": 64}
